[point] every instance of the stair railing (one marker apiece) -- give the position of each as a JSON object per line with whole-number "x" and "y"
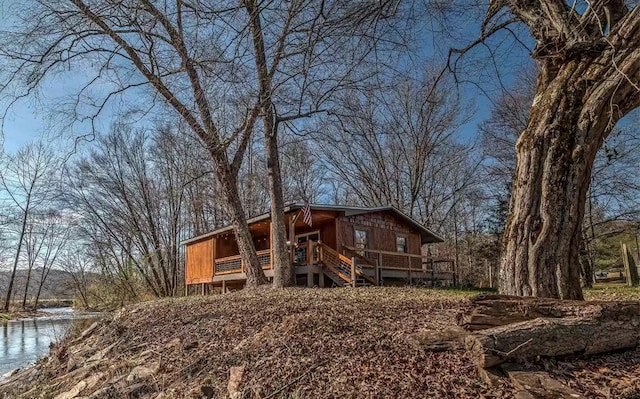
{"x": 347, "y": 269}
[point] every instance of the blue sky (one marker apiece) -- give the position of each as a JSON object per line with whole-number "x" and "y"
{"x": 28, "y": 119}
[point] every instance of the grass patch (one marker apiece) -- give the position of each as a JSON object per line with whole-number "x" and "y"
{"x": 612, "y": 292}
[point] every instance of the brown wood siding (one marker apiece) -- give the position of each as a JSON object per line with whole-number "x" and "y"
{"x": 199, "y": 262}
{"x": 327, "y": 231}
{"x": 382, "y": 227}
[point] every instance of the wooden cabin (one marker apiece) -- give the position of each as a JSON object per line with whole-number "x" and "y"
{"x": 333, "y": 246}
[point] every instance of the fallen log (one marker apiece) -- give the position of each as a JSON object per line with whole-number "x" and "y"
{"x": 497, "y": 310}
{"x": 543, "y": 327}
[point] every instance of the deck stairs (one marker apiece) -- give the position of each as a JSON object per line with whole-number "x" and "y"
{"x": 340, "y": 269}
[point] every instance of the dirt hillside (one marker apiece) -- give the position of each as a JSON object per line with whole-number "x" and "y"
{"x": 295, "y": 343}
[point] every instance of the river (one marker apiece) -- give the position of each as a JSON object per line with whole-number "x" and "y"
{"x": 24, "y": 341}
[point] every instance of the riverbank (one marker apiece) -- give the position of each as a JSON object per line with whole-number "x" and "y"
{"x": 294, "y": 343}
{"x": 20, "y": 314}
{"x": 16, "y": 311}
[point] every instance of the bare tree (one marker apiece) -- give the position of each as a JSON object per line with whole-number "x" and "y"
{"x": 136, "y": 45}
{"x": 304, "y": 174}
{"x": 131, "y": 190}
{"x": 33, "y": 246}
{"x": 613, "y": 187}
{"x": 81, "y": 269}
{"x": 395, "y": 146}
{"x": 219, "y": 66}
{"x": 588, "y": 62}
{"x": 56, "y": 236}
{"x": 28, "y": 178}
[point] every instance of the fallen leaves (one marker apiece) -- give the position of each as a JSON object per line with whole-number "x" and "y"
{"x": 294, "y": 343}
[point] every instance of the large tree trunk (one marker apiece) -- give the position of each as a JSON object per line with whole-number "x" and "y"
{"x": 555, "y": 155}
{"x": 282, "y": 276}
{"x": 252, "y": 268}
{"x": 588, "y": 80}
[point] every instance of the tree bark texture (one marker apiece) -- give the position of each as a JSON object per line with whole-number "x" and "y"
{"x": 252, "y": 268}
{"x": 25, "y": 215}
{"x": 508, "y": 329}
{"x": 282, "y": 272}
{"x": 582, "y": 91}
{"x": 282, "y": 276}
{"x": 199, "y": 117}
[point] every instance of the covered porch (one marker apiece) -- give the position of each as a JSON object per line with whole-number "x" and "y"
{"x": 334, "y": 246}
{"x": 215, "y": 258}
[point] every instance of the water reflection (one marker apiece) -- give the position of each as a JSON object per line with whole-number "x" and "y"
{"x": 25, "y": 341}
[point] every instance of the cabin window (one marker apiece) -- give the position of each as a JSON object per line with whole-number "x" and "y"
{"x": 401, "y": 244}
{"x": 361, "y": 240}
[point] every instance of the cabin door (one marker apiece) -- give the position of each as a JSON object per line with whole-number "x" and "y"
{"x": 302, "y": 247}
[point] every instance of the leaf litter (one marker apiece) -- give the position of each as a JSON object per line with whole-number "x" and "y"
{"x": 293, "y": 343}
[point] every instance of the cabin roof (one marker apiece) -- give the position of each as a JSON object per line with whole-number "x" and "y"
{"x": 426, "y": 235}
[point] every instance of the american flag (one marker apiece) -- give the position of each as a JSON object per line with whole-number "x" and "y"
{"x": 306, "y": 214}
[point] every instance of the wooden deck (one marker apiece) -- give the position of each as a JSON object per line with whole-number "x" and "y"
{"x": 351, "y": 267}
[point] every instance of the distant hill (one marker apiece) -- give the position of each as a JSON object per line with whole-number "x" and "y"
{"x": 58, "y": 285}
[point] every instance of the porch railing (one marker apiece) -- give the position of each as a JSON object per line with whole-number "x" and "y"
{"x": 403, "y": 261}
{"x": 235, "y": 264}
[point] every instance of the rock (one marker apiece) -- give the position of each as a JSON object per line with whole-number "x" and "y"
{"x": 72, "y": 363}
{"x": 85, "y": 384}
{"x": 523, "y": 395}
{"x": 89, "y": 331}
{"x": 491, "y": 376}
{"x": 10, "y": 374}
{"x": 73, "y": 392}
{"x": 235, "y": 379}
{"x": 141, "y": 373}
{"x": 207, "y": 391}
{"x": 539, "y": 384}
{"x": 102, "y": 353}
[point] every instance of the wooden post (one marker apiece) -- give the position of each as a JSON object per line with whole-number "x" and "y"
{"x": 433, "y": 273}
{"x": 376, "y": 272}
{"x": 410, "y": 282}
{"x": 309, "y": 263}
{"x": 292, "y": 237}
{"x": 270, "y": 245}
{"x": 353, "y": 271}
{"x": 202, "y": 291}
{"x": 213, "y": 271}
{"x": 186, "y": 262}
{"x": 629, "y": 266}
{"x": 224, "y": 286}
{"x": 320, "y": 266}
